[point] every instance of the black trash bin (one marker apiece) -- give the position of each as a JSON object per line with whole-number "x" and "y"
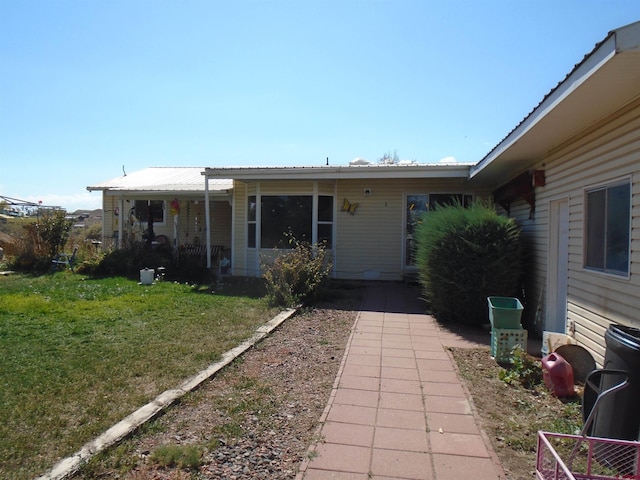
{"x": 618, "y": 415}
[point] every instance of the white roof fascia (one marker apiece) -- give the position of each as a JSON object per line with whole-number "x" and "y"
{"x": 345, "y": 172}
{"x": 164, "y": 193}
{"x": 627, "y": 38}
{"x": 600, "y": 56}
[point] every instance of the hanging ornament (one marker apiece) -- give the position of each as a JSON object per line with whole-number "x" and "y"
{"x": 175, "y": 207}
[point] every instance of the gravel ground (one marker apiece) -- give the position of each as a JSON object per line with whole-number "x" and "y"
{"x": 255, "y": 420}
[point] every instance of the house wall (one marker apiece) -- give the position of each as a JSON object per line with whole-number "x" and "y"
{"x": 368, "y": 244}
{"x": 191, "y": 223}
{"x": 239, "y": 259}
{"x": 110, "y": 221}
{"x": 608, "y": 151}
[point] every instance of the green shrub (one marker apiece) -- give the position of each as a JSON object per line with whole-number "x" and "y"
{"x": 41, "y": 241}
{"x": 524, "y": 369}
{"x": 129, "y": 261}
{"x": 88, "y": 258}
{"x": 294, "y": 276}
{"x": 465, "y": 255}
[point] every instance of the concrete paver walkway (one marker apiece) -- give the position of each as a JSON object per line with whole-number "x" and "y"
{"x": 398, "y": 409}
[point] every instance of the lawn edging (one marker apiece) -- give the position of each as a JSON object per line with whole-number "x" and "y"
{"x": 69, "y": 465}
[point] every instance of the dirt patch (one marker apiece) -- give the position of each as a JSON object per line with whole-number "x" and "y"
{"x": 257, "y": 418}
{"x": 512, "y": 415}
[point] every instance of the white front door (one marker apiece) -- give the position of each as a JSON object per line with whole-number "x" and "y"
{"x": 558, "y": 271}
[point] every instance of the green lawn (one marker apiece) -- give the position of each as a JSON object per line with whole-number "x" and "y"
{"x": 77, "y": 355}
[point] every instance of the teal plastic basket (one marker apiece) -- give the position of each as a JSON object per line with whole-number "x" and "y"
{"x": 505, "y": 312}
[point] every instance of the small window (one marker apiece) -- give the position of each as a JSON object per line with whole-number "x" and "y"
{"x": 608, "y": 221}
{"x": 325, "y": 220}
{"x": 145, "y": 207}
{"x": 251, "y": 221}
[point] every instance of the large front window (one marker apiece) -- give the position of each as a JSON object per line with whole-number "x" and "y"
{"x": 608, "y": 220}
{"x": 283, "y": 215}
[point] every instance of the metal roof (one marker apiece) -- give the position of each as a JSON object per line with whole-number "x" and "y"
{"x": 413, "y": 170}
{"x": 604, "y": 81}
{"x": 161, "y": 180}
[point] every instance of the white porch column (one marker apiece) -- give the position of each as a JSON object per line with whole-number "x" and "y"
{"x": 122, "y": 217}
{"x": 207, "y": 220}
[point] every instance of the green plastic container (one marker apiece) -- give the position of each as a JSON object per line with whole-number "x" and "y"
{"x": 505, "y": 312}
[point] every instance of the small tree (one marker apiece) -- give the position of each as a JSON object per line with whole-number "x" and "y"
{"x": 53, "y": 229}
{"x": 295, "y": 276}
{"x": 42, "y": 240}
{"x": 465, "y": 255}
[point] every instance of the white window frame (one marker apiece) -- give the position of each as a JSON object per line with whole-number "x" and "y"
{"x": 314, "y": 216}
{"x": 605, "y": 187}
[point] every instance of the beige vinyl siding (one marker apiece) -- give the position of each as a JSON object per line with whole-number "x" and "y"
{"x": 239, "y": 252}
{"x": 191, "y": 222}
{"x": 109, "y": 220}
{"x": 369, "y": 244}
{"x": 286, "y": 188}
{"x": 533, "y": 229}
{"x": 608, "y": 152}
{"x": 221, "y": 213}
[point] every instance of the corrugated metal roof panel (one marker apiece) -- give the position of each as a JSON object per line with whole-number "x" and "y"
{"x": 152, "y": 179}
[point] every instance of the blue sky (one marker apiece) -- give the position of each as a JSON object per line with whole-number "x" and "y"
{"x": 90, "y": 86}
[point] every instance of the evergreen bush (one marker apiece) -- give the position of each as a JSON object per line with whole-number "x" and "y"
{"x": 465, "y": 255}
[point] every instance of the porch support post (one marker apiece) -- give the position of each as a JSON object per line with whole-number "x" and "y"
{"x": 207, "y": 220}
{"x": 122, "y": 217}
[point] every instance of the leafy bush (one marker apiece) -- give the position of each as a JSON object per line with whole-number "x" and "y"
{"x": 295, "y": 276}
{"x": 524, "y": 369}
{"x": 41, "y": 241}
{"x": 88, "y": 258}
{"x": 465, "y": 255}
{"x": 129, "y": 261}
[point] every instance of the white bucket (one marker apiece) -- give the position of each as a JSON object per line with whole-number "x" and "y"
{"x": 146, "y": 276}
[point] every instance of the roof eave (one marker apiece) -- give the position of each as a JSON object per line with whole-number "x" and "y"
{"x": 511, "y": 152}
{"x": 114, "y": 192}
{"x": 335, "y": 173}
